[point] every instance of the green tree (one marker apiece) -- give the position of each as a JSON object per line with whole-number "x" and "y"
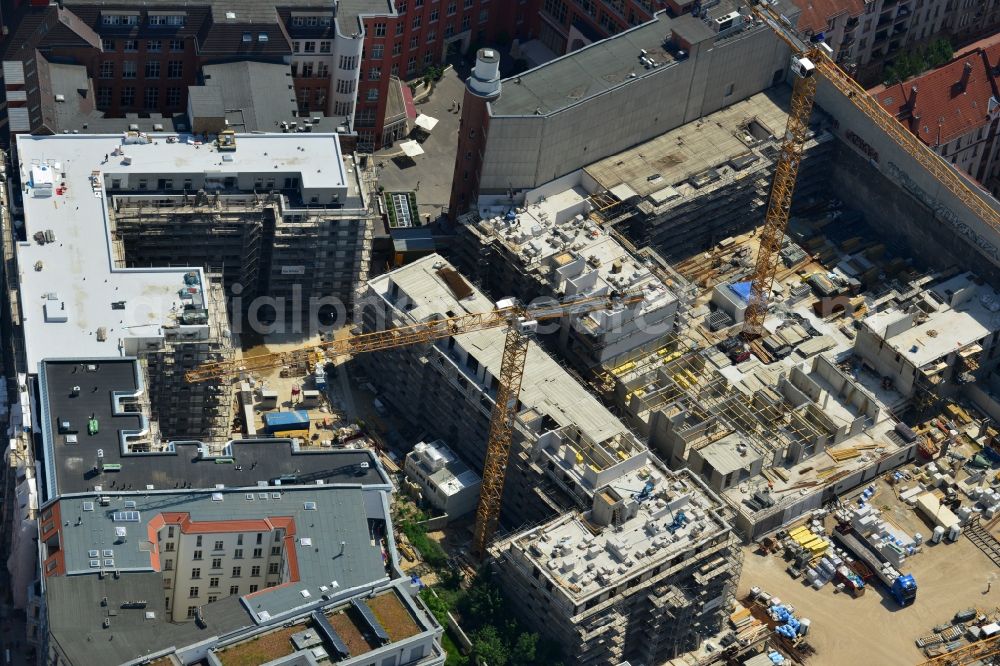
{"x": 522, "y": 653}
{"x": 939, "y": 52}
{"x": 488, "y": 646}
{"x": 483, "y": 605}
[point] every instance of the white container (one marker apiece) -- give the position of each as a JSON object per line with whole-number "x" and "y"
{"x": 937, "y": 535}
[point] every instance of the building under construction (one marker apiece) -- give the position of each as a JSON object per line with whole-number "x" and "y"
{"x": 644, "y": 573}
{"x": 297, "y": 232}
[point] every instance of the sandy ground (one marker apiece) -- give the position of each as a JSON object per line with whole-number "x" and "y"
{"x": 873, "y": 629}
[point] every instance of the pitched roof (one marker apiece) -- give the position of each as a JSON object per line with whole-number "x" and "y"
{"x": 949, "y": 101}
{"x": 816, "y": 13}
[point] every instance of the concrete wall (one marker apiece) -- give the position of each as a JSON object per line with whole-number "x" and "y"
{"x": 526, "y": 151}
{"x": 936, "y": 225}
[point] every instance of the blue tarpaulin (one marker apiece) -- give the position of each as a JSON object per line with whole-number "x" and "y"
{"x": 741, "y": 289}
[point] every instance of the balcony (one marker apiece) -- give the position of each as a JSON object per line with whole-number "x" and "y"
{"x": 852, "y": 23}
{"x": 880, "y": 37}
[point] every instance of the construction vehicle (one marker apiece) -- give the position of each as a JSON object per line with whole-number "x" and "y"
{"x": 520, "y": 322}
{"x": 810, "y": 61}
{"x": 902, "y": 587}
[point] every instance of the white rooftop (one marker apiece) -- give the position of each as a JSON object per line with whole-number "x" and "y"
{"x": 547, "y": 387}
{"x": 444, "y": 469}
{"x": 553, "y": 236}
{"x": 583, "y": 558}
{"x": 71, "y": 291}
{"x": 967, "y": 312}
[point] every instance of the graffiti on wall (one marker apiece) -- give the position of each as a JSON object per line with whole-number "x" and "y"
{"x": 862, "y": 145}
{"x": 944, "y": 213}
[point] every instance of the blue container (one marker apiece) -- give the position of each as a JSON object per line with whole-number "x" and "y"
{"x": 284, "y": 421}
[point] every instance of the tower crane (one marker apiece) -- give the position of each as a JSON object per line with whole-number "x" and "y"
{"x": 520, "y": 322}
{"x": 810, "y": 61}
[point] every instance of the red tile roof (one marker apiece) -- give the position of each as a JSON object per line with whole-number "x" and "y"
{"x": 816, "y": 13}
{"x": 950, "y": 101}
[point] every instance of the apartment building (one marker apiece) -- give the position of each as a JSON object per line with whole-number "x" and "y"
{"x": 644, "y": 574}
{"x": 522, "y": 132}
{"x": 955, "y": 110}
{"x": 347, "y": 58}
{"x": 566, "y": 444}
{"x": 547, "y": 244}
{"x": 445, "y": 482}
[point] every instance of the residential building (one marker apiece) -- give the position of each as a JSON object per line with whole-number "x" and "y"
{"x": 547, "y": 245}
{"x": 645, "y": 574}
{"x": 522, "y": 132}
{"x": 955, "y": 110}
{"x": 347, "y": 58}
{"x": 565, "y": 443}
{"x": 446, "y": 483}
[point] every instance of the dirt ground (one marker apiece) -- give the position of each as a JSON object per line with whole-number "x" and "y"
{"x": 873, "y": 629}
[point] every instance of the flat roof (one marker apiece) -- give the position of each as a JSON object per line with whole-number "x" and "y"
{"x": 584, "y": 559}
{"x": 947, "y": 330}
{"x": 588, "y": 72}
{"x": 331, "y": 547}
{"x": 70, "y": 468}
{"x": 694, "y": 147}
{"x": 328, "y": 532}
{"x": 547, "y": 387}
{"x": 70, "y": 286}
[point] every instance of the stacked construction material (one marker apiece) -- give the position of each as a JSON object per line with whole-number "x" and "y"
{"x": 791, "y": 627}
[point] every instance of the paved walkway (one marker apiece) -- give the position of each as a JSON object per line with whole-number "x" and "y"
{"x": 429, "y": 175}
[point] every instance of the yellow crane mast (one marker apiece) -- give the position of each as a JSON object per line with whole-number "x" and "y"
{"x": 808, "y": 62}
{"x": 520, "y": 323}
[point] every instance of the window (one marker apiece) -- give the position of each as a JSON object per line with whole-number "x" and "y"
{"x": 484, "y": 16}
{"x": 107, "y": 44}
{"x": 399, "y": 28}
{"x": 120, "y": 19}
{"x": 342, "y": 108}
{"x": 154, "y": 46}
{"x": 465, "y": 23}
{"x": 176, "y": 44}
{"x": 212, "y": 598}
{"x": 152, "y": 69}
{"x": 449, "y": 30}
{"x": 131, "y": 45}
{"x": 152, "y": 98}
{"x": 254, "y": 572}
{"x": 275, "y": 551}
{"x": 173, "y": 97}
{"x": 401, "y": 8}
{"x": 434, "y": 16}
{"x": 216, "y": 562}
{"x": 322, "y": 69}
{"x": 372, "y": 94}
{"x": 411, "y": 64}
{"x": 171, "y": 20}
{"x": 258, "y": 553}
{"x": 191, "y": 611}
{"x": 272, "y": 568}
{"x": 193, "y": 592}
{"x": 239, "y": 539}
{"x": 451, "y": 8}
{"x": 380, "y": 29}
{"x": 168, "y": 565}
{"x": 375, "y": 73}
{"x": 107, "y": 70}
{"x": 128, "y": 69}
{"x": 347, "y": 62}
{"x": 307, "y": 69}
{"x": 310, "y": 47}
{"x": 253, "y": 588}
{"x": 128, "y": 99}
{"x": 197, "y": 555}
{"x": 237, "y": 572}
{"x": 234, "y": 589}
{"x": 213, "y": 582}
{"x": 238, "y": 554}
{"x": 431, "y": 35}
{"x": 103, "y": 96}
{"x": 468, "y": 3}
{"x": 397, "y": 48}
{"x": 167, "y": 546}
{"x": 428, "y": 58}
{"x": 260, "y": 538}
{"x": 198, "y": 542}
{"x": 196, "y": 573}
{"x": 247, "y": 37}
{"x": 344, "y": 87}
{"x": 416, "y": 21}
{"x": 324, "y": 47}
{"x": 175, "y": 69}
{"x": 414, "y": 40}
{"x": 377, "y": 51}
